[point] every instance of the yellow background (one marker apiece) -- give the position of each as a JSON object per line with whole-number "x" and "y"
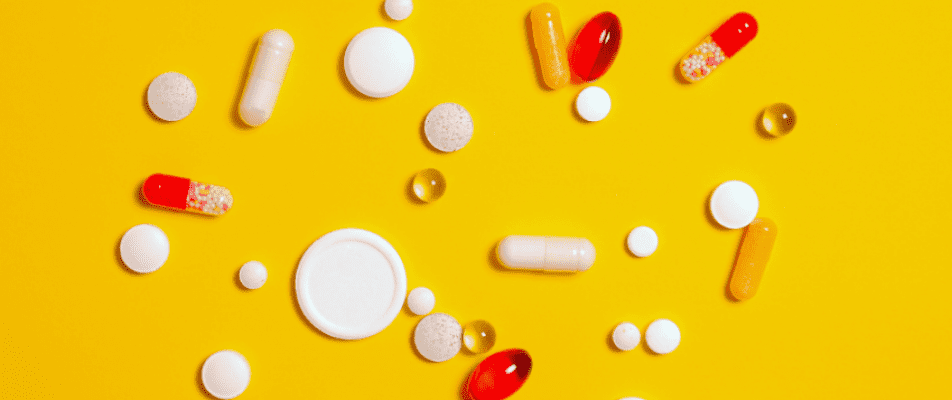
{"x": 855, "y": 302}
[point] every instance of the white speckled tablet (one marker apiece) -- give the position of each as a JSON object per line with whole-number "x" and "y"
{"x": 642, "y": 241}
{"x": 593, "y": 104}
{"x": 226, "y": 374}
{"x": 734, "y": 204}
{"x": 626, "y": 336}
{"x": 172, "y": 96}
{"x": 448, "y": 127}
{"x": 253, "y": 275}
{"x": 379, "y": 62}
{"x": 144, "y": 248}
{"x": 438, "y": 337}
{"x": 398, "y": 10}
{"x": 662, "y": 336}
{"x": 421, "y": 301}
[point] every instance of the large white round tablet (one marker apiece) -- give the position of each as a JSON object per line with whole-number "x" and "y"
{"x": 734, "y": 204}
{"x": 226, "y": 374}
{"x": 421, "y": 301}
{"x": 662, "y": 336}
{"x": 172, "y": 96}
{"x": 351, "y": 284}
{"x": 642, "y": 241}
{"x": 593, "y": 104}
{"x": 438, "y": 337}
{"x": 626, "y": 336}
{"x": 398, "y": 10}
{"x": 379, "y": 62}
{"x": 253, "y": 275}
{"x": 144, "y": 248}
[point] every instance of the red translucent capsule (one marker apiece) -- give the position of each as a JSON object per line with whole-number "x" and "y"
{"x": 186, "y": 194}
{"x": 595, "y": 46}
{"x": 499, "y": 375}
{"x": 726, "y": 41}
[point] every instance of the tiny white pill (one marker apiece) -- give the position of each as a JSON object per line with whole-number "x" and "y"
{"x": 593, "y": 104}
{"x": 626, "y": 336}
{"x": 398, "y": 10}
{"x": 734, "y": 204}
{"x": 172, "y": 96}
{"x": 642, "y": 241}
{"x": 448, "y": 127}
{"x": 378, "y": 62}
{"x": 438, "y": 337}
{"x": 421, "y": 301}
{"x": 253, "y": 274}
{"x": 662, "y": 336}
{"x": 226, "y": 374}
{"x": 144, "y": 248}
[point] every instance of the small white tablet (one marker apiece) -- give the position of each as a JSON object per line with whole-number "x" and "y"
{"x": 398, "y": 10}
{"x": 144, "y": 248}
{"x": 593, "y": 104}
{"x": 626, "y": 336}
{"x": 253, "y": 275}
{"x": 226, "y": 374}
{"x": 734, "y": 204}
{"x": 421, "y": 301}
{"x": 172, "y": 96}
{"x": 663, "y": 336}
{"x": 379, "y": 62}
{"x": 642, "y": 241}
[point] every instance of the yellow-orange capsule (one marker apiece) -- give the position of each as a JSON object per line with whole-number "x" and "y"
{"x": 752, "y": 258}
{"x": 549, "y": 43}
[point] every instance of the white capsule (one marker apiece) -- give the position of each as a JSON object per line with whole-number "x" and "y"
{"x": 267, "y": 74}
{"x": 546, "y": 253}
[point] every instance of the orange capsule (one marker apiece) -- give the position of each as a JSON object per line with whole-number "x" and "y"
{"x": 752, "y": 258}
{"x": 549, "y": 42}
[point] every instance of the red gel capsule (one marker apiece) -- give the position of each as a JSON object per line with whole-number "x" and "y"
{"x": 186, "y": 195}
{"x": 595, "y": 47}
{"x": 499, "y": 375}
{"x": 726, "y": 41}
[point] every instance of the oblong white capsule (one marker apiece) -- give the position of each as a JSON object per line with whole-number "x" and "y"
{"x": 267, "y": 74}
{"x": 546, "y": 253}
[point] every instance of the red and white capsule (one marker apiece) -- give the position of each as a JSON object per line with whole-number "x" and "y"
{"x": 722, "y": 44}
{"x": 187, "y": 195}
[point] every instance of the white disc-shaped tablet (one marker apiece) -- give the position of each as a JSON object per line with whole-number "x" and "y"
{"x": 642, "y": 241}
{"x": 421, "y": 301}
{"x": 398, "y": 10}
{"x": 253, "y": 275}
{"x": 378, "y": 62}
{"x": 734, "y": 204}
{"x": 172, "y": 96}
{"x": 438, "y": 337}
{"x": 626, "y": 336}
{"x": 662, "y": 336}
{"x": 448, "y": 127}
{"x": 226, "y": 374}
{"x": 144, "y": 248}
{"x": 593, "y": 104}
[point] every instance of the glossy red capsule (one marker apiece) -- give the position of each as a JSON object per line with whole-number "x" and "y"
{"x": 186, "y": 195}
{"x": 723, "y": 43}
{"x": 594, "y": 49}
{"x": 499, "y": 375}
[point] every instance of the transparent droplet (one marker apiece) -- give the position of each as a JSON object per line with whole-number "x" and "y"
{"x": 429, "y": 185}
{"x": 778, "y": 119}
{"x": 479, "y": 336}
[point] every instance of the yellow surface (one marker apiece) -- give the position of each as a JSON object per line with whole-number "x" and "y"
{"x": 855, "y": 302}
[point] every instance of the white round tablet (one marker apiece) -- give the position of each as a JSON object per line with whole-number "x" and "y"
{"x": 438, "y": 337}
{"x": 593, "y": 104}
{"x": 421, "y": 301}
{"x": 626, "y": 336}
{"x": 144, "y": 248}
{"x": 226, "y": 374}
{"x": 448, "y": 127}
{"x": 378, "y": 62}
{"x": 642, "y": 241}
{"x": 398, "y": 10}
{"x": 351, "y": 284}
{"x": 662, "y": 336}
{"x": 734, "y": 204}
{"x": 253, "y": 275}
{"x": 172, "y": 96}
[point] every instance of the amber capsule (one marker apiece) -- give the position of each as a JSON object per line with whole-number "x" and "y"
{"x": 752, "y": 258}
{"x": 549, "y": 42}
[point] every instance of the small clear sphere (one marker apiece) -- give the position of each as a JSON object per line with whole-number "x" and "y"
{"x": 479, "y": 336}
{"x": 429, "y": 185}
{"x": 778, "y": 119}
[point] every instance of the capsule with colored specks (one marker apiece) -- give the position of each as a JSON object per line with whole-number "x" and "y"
{"x": 726, "y": 41}
{"x": 186, "y": 195}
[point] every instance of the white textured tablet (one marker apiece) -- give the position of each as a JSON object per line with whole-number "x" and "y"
{"x": 398, "y": 10}
{"x": 662, "y": 336}
{"x": 379, "y": 62}
{"x": 438, "y": 337}
{"x": 593, "y": 104}
{"x": 734, "y": 204}
{"x": 351, "y": 284}
{"x": 448, "y": 127}
{"x": 172, "y": 96}
{"x": 253, "y": 275}
{"x": 144, "y": 248}
{"x": 226, "y": 374}
{"x": 626, "y": 336}
{"x": 421, "y": 301}
{"x": 642, "y": 241}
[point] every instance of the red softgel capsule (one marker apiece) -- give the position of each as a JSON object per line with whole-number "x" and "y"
{"x": 186, "y": 195}
{"x": 722, "y": 44}
{"x": 595, "y": 47}
{"x": 499, "y": 375}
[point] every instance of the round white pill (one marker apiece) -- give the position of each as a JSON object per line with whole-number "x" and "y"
{"x": 642, "y": 241}
{"x": 253, "y": 274}
{"x": 398, "y": 10}
{"x": 438, "y": 337}
{"x": 734, "y": 204}
{"x": 378, "y": 62}
{"x": 226, "y": 374}
{"x": 662, "y": 336}
{"x": 593, "y": 104}
{"x": 626, "y": 336}
{"x": 421, "y": 301}
{"x": 172, "y": 96}
{"x": 144, "y": 248}
{"x": 448, "y": 127}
